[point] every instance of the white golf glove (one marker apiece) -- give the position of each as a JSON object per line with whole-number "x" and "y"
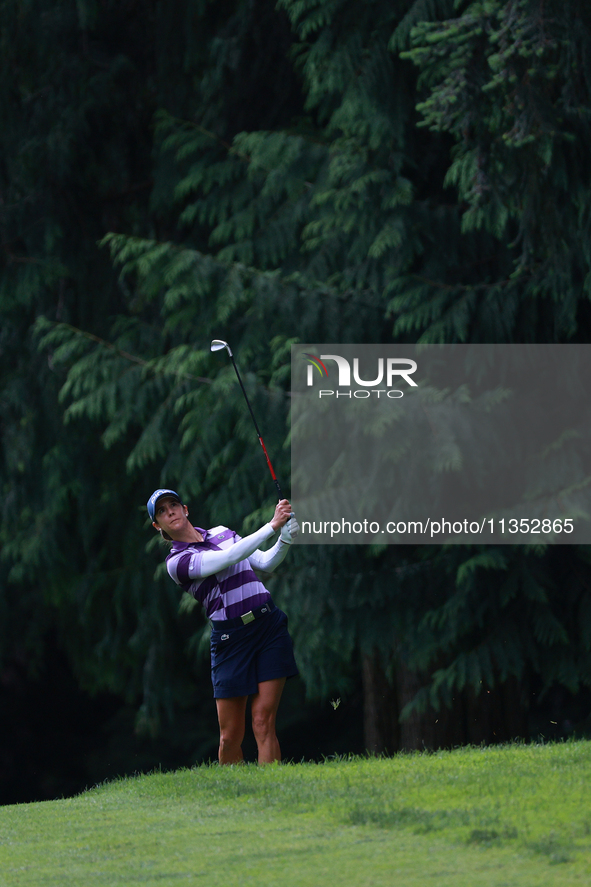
{"x": 290, "y": 530}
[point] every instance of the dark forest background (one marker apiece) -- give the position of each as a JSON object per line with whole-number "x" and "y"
{"x": 267, "y": 173}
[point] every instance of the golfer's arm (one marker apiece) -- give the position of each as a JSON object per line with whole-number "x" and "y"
{"x": 268, "y": 560}
{"x": 209, "y": 562}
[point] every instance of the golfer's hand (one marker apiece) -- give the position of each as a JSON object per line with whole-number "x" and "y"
{"x": 282, "y": 514}
{"x": 290, "y": 530}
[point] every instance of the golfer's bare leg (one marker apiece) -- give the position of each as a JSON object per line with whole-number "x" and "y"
{"x": 264, "y": 712}
{"x": 231, "y": 715}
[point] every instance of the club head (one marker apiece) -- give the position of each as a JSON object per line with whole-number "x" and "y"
{"x": 218, "y": 344}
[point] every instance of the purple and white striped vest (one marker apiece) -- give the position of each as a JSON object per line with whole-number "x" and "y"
{"x": 226, "y": 594}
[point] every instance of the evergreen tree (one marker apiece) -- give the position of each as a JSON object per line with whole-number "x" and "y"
{"x": 295, "y": 198}
{"x": 79, "y": 88}
{"x": 510, "y": 82}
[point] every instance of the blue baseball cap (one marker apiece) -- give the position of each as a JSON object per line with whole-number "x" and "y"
{"x": 158, "y": 494}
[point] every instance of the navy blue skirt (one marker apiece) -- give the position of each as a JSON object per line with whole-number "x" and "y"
{"x": 245, "y": 656}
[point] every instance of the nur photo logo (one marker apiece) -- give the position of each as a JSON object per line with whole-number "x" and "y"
{"x": 389, "y": 371}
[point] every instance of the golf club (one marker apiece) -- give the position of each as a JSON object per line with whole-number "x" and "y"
{"x": 217, "y": 345}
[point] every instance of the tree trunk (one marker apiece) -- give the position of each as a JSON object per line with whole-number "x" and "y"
{"x": 380, "y": 708}
{"x": 494, "y": 715}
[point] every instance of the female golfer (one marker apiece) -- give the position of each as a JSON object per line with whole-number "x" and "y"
{"x": 251, "y": 650}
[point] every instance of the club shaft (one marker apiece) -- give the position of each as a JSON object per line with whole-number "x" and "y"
{"x": 261, "y": 441}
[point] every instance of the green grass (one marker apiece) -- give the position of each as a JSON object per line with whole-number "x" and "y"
{"x": 511, "y": 815}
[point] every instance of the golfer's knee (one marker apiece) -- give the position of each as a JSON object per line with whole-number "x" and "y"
{"x": 263, "y": 724}
{"x": 231, "y": 737}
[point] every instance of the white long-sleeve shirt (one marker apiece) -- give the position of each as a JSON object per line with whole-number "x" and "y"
{"x": 219, "y": 572}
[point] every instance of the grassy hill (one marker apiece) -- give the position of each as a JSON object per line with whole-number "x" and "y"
{"x": 510, "y": 815}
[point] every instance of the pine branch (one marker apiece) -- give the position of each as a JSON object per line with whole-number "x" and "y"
{"x": 125, "y": 354}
